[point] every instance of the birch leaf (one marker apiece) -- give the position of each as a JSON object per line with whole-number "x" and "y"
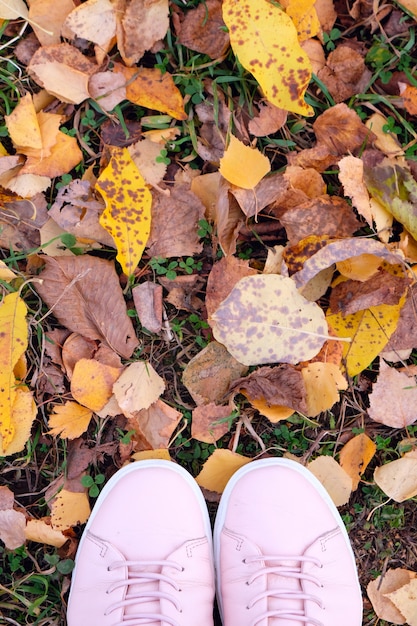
{"x": 265, "y": 320}
{"x": 219, "y": 468}
{"x": 69, "y": 420}
{"x": 398, "y": 479}
{"x": 137, "y": 388}
{"x": 356, "y": 455}
{"x": 69, "y": 509}
{"x": 13, "y": 9}
{"x": 369, "y": 331}
{"x": 242, "y": 165}
{"x": 265, "y": 40}
{"x": 393, "y": 399}
{"x": 92, "y": 383}
{"x": 127, "y": 216}
{"x": 13, "y": 343}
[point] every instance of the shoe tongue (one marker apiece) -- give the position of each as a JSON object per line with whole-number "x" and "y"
{"x": 282, "y": 582}
{"x": 144, "y": 604}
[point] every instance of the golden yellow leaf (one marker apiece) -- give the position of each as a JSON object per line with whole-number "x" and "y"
{"x": 265, "y": 41}
{"x": 69, "y": 509}
{"x": 69, "y": 420}
{"x": 369, "y": 330}
{"x": 304, "y": 16}
{"x": 360, "y": 267}
{"x": 42, "y": 532}
{"x": 411, "y": 6}
{"x": 219, "y": 468}
{"x": 333, "y": 478}
{"x": 23, "y": 415}
{"x": 274, "y": 413}
{"x": 149, "y": 88}
{"x": 127, "y": 216}
{"x": 242, "y": 165}
{"x": 13, "y": 343}
{"x": 322, "y": 381}
{"x": 23, "y": 125}
{"x": 92, "y": 383}
{"x": 159, "y": 453}
{"x": 355, "y": 457}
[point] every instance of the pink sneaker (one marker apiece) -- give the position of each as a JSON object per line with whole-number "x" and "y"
{"x": 281, "y": 551}
{"x": 146, "y": 553}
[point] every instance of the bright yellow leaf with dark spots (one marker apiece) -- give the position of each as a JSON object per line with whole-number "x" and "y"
{"x": 264, "y": 38}
{"x": 69, "y": 509}
{"x": 242, "y": 165}
{"x": 369, "y": 331}
{"x": 304, "y": 16}
{"x": 92, "y": 383}
{"x": 127, "y": 216}
{"x": 13, "y": 343}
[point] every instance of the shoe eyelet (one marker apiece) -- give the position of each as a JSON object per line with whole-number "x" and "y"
{"x": 244, "y": 561}
{"x": 247, "y": 583}
{"x": 183, "y": 569}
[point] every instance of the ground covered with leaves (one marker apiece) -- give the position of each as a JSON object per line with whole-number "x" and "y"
{"x": 208, "y": 234}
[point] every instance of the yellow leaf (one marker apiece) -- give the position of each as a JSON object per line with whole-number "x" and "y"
{"x": 6, "y": 274}
{"x": 23, "y": 415}
{"x": 398, "y": 479}
{"x": 265, "y": 40}
{"x": 92, "y": 383}
{"x": 322, "y": 382}
{"x": 361, "y": 267}
{"x": 274, "y": 413}
{"x": 137, "y": 388}
{"x": 243, "y": 166}
{"x": 42, "y": 532}
{"x": 219, "y": 468}
{"x": 333, "y": 478}
{"x": 160, "y": 453}
{"x": 127, "y": 216}
{"x": 264, "y": 319}
{"x": 23, "y": 124}
{"x": 405, "y": 599}
{"x": 13, "y": 343}
{"x": 69, "y": 420}
{"x": 369, "y": 331}
{"x": 410, "y": 6}
{"x": 355, "y": 457}
{"x": 149, "y": 88}
{"x": 69, "y": 509}
{"x": 304, "y": 16}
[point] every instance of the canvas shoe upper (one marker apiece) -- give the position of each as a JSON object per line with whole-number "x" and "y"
{"x": 281, "y": 551}
{"x": 145, "y": 556}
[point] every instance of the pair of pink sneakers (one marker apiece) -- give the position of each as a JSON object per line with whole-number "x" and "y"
{"x": 281, "y": 554}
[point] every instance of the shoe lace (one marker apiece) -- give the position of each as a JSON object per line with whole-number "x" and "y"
{"x": 291, "y": 571}
{"x": 139, "y": 597}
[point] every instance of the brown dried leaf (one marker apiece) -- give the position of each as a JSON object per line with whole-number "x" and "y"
{"x": 210, "y": 422}
{"x": 268, "y": 121}
{"x": 73, "y": 287}
{"x": 405, "y": 335}
{"x": 270, "y": 189}
{"x": 222, "y": 278}
{"x": 282, "y": 385}
{"x": 12, "y": 528}
{"x": 175, "y": 223}
{"x": 327, "y": 215}
{"x": 77, "y": 212}
{"x": 140, "y": 24}
{"x": 345, "y": 73}
{"x": 6, "y": 498}
{"x": 63, "y": 71}
{"x": 352, "y": 296}
{"x": 203, "y": 29}
{"x": 47, "y": 18}
{"x": 405, "y": 599}
{"x": 147, "y": 298}
{"x": 155, "y": 425}
{"x": 393, "y": 399}
{"x": 210, "y": 373}
{"x": 341, "y": 130}
{"x": 94, "y": 20}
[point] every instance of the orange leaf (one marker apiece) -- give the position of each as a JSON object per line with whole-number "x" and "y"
{"x": 92, "y": 383}
{"x": 355, "y": 457}
{"x": 219, "y": 468}
{"x": 149, "y": 88}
